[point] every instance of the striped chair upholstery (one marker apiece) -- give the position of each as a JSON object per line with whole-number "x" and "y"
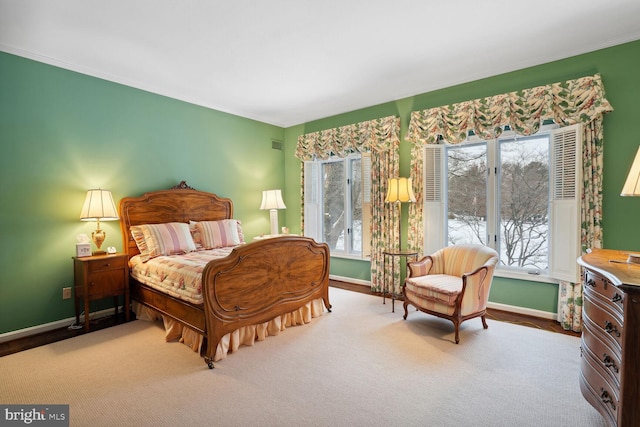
{"x": 453, "y": 283}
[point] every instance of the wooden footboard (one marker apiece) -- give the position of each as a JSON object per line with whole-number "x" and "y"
{"x": 259, "y": 281}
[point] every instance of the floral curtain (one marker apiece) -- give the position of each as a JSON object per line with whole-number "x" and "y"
{"x": 380, "y": 137}
{"x": 574, "y": 101}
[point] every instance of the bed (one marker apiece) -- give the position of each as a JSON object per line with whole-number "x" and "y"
{"x": 253, "y": 285}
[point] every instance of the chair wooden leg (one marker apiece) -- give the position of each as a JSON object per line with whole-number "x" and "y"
{"x": 404, "y": 305}
{"x": 484, "y": 322}
{"x": 457, "y": 328}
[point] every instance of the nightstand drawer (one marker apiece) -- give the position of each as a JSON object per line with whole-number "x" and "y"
{"x": 104, "y": 283}
{"x": 106, "y": 263}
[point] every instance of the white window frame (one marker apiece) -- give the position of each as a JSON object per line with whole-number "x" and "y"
{"x": 565, "y": 189}
{"x": 313, "y": 203}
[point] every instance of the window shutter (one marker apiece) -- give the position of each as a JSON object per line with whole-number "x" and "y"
{"x": 312, "y": 199}
{"x": 434, "y": 225}
{"x": 565, "y": 194}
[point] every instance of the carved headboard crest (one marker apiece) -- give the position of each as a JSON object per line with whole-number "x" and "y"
{"x": 182, "y": 186}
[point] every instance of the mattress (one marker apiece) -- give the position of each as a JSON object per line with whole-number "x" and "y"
{"x": 177, "y": 275}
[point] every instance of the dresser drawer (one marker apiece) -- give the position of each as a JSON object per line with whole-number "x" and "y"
{"x": 596, "y": 284}
{"x": 603, "y": 320}
{"x": 115, "y": 263}
{"x": 603, "y": 353}
{"x": 597, "y": 391}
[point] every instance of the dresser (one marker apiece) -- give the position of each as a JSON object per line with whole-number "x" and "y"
{"x": 610, "y": 362}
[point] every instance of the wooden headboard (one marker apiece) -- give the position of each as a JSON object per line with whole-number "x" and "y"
{"x": 179, "y": 204}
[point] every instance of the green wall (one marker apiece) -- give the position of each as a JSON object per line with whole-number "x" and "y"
{"x": 62, "y": 133}
{"x": 618, "y": 66}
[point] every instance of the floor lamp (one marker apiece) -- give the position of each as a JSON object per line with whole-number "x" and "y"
{"x": 399, "y": 190}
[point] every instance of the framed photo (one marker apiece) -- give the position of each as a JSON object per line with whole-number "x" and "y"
{"x": 83, "y": 249}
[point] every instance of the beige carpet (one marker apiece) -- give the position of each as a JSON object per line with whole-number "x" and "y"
{"x": 360, "y": 365}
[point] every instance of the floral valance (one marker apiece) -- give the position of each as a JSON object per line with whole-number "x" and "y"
{"x": 566, "y": 103}
{"x": 377, "y": 135}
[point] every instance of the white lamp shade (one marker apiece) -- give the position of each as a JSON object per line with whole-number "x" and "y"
{"x": 272, "y": 199}
{"x": 632, "y": 185}
{"x": 99, "y": 205}
{"x": 400, "y": 190}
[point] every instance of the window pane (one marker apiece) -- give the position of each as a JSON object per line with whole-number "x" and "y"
{"x": 524, "y": 207}
{"x": 333, "y": 205}
{"x": 467, "y": 194}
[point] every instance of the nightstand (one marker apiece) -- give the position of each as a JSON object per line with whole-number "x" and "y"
{"x": 98, "y": 277}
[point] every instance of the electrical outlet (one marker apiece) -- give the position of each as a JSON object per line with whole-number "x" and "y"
{"x": 66, "y": 293}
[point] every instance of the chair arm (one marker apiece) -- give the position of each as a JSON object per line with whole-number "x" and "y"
{"x": 477, "y": 276}
{"x": 421, "y": 267}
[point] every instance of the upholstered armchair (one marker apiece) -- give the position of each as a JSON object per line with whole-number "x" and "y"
{"x": 452, "y": 283}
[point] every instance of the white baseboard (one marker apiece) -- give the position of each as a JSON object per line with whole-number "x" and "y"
{"x": 103, "y": 313}
{"x": 38, "y": 329}
{"x": 351, "y": 280}
{"x": 522, "y": 310}
{"x": 494, "y": 305}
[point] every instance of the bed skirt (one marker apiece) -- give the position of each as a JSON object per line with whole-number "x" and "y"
{"x": 231, "y": 342}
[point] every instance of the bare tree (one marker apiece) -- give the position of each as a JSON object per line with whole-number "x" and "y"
{"x": 524, "y": 208}
{"x": 523, "y": 203}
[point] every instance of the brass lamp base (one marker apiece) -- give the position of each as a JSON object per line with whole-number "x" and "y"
{"x": 98, "y": 237}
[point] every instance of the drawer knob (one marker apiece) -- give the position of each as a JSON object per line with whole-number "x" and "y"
{"x": 609, "y": 363}
{"x": 606, "y": 398}
{"x": 617, "y": 297}
{"x": 609, "y": 328}
{"x": 591, "y": 282}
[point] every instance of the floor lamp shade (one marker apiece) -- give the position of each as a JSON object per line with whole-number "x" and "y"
{"x": 399, "y": 190}
{"x": 272, "y": 201}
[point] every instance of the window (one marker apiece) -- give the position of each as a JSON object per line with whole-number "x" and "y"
{"x": 336, "y": 208}
{"x": 516, "y": 194}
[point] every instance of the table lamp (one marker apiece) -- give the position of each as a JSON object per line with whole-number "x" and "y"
{"x": 98, "y": 205}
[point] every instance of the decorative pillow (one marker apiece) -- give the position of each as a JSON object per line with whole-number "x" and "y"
{"x": 172, "y": 238}
{"x": 217, "y": 234}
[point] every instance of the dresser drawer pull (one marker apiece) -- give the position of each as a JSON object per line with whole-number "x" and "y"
{"x": 617, "y": 297}
{"x": 606, "y": 398}
{"x": 591, "y": 282}
{"x": 609, "y": 328}
{"x": 609, "y": 363}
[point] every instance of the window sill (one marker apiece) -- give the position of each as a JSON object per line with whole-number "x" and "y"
{"x": 347, "y": 256}
{"x": 523, "y": 276}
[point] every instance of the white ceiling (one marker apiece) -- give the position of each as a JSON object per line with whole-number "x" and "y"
{"x": 287, "y": 62}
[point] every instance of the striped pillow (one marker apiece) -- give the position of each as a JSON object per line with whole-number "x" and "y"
{"x": 172, "y": 238}
{"x": 218, "y": 234}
